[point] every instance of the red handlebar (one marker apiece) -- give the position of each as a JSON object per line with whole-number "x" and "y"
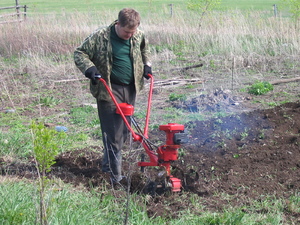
{"x": 136, "y": 137}
{"x": 149, "y": 106}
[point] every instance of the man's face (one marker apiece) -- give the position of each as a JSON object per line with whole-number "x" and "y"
{"x": 124, "y": 32}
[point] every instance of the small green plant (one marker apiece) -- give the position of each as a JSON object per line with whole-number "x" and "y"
{"x": 189, "y": 86}
{"x": 244, "y": 135}
{"x": 181, "y": 152}
{"x": 49, "y": 101}
{"x": 221, "y": 144}
{"x": 173, "y": 97}
{"x": 272, "y": 104}
{"x": 212, "y": 64}
{"x": 45, "y": 148}
{"x": 236, "y": 156}
{"x": 261, "y": 135}
{"x": 45, "y": 145}
{"x": 260, "y": 88}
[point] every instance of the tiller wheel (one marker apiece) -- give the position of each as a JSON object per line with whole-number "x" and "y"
{"x": 167, "y": 153}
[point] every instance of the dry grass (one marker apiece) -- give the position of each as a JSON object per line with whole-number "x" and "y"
{"x": 41, "y": 49}
{"x": 227, "y": 34}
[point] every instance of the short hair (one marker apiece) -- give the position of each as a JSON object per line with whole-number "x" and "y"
{"x": 129, "y": 18}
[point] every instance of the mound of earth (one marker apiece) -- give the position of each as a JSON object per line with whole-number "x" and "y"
{"x": 246, "y": 155}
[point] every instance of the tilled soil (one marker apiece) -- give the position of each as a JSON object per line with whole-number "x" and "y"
{"x": 244, "y": 156}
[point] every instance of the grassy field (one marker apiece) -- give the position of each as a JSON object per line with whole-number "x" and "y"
{"x": 246, "y": 4}
{"x": 87, "y": 5}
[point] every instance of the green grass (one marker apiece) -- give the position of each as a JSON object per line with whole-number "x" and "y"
{"x": 84, "y": 116}
{"x": 16, "y": 141}
{"x": 64, "y": 206}
{"x": 38, "y": 6}
{"x": 19, "y": 205}
{"x": 88, "y": 5}
{"x": 247, "y": 5}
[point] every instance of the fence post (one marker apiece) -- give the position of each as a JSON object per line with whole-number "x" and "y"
{"x": 25, "y": 11}
{"x": 17, "y": 9}
{"x": 171, "y": 9}
{"x": 275, "y": 10}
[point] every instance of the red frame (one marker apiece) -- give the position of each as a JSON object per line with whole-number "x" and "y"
{"x": 165, "y": 154}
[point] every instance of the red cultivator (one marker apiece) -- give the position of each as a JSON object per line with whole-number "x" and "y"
{"x": 164, "y": 154}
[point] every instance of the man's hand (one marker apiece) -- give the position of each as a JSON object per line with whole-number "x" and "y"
{"x": 147, "y": 70}
{"x": 90, "y": 73}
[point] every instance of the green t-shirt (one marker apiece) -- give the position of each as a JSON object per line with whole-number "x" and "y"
{"x": 122, "y": 69}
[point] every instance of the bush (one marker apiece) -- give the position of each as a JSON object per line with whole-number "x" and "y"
{"x": 260, "y": 88}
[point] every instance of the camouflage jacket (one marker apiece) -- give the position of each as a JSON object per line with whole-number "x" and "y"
{"x": 96, "y": 50}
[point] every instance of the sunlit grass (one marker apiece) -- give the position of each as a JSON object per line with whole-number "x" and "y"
{"x": 69, "y": 206}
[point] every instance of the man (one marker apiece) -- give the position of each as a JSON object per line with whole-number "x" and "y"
{"x": 120, "y": 54}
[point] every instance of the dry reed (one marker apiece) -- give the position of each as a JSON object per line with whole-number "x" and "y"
{"x": 42, "y": 47}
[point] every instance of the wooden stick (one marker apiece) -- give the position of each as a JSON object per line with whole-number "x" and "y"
{"x": 187, "y": 67}
{"x": 285, "y": 81}
{"x": 176, "y": 82}
{"x": 62, "y": 81}
{"x": 13, "y": 7}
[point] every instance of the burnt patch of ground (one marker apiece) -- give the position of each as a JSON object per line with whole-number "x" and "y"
{"x": 245, "y": 156}
{"x": 254, "y": 153}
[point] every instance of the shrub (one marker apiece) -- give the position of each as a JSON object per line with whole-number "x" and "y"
{"x": 260, "y": 88}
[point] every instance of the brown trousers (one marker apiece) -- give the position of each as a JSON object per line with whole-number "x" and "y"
{"x": 114, "y": 130}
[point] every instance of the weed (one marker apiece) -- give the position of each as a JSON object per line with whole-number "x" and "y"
{"x": 261, "y": 135}
{"x": 236, "y": 156}
{"x": 221, "y": 144}
{"x": 189, "y": 86}
{"x": 244, "y": 135}
{"x": 272, "y": 104}
{"x": 219, "y": 121}
{"x": 260, "y": 88}
{"x": 228, "y": 134}
{"x": 49, "y": 101}
{"x": 174, "y": 97}
{"x": 293, "y": 205}
{"x": 181, "y": 152}
{"x": 212, "y": 64}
